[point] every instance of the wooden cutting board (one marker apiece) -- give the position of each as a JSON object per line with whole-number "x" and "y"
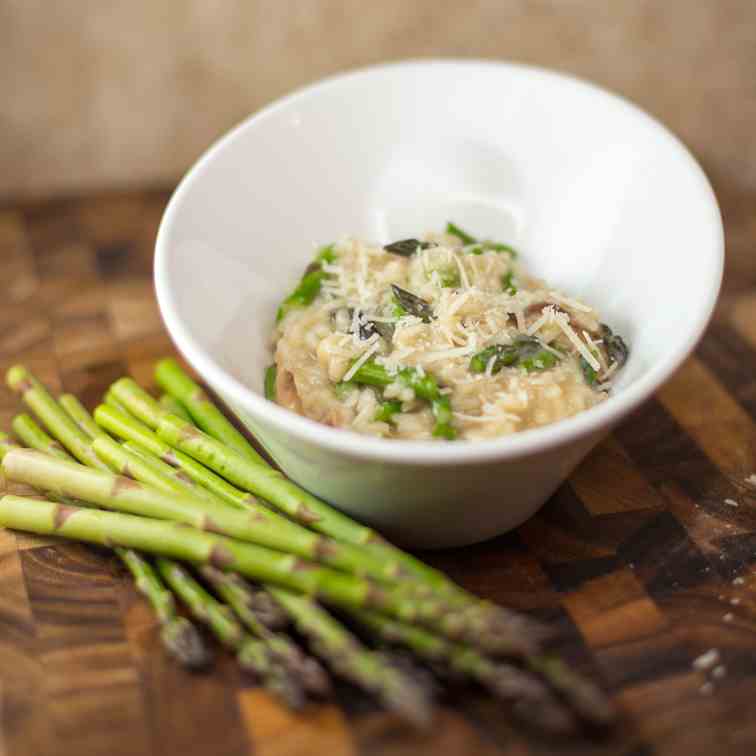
{"x": 644, "y": 560}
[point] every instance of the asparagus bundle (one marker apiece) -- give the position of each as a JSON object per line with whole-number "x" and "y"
{"x": 279, "y": 651}
{"x": 177, "y": 633}
{"x": 411, "y": 593}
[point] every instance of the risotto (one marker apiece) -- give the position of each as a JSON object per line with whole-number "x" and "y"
{"x": 442, "y": 337}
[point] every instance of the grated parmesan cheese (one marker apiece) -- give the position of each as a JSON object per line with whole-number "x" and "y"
{"x": 361, "y": 361}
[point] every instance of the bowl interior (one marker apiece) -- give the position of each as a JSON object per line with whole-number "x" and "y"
{"x": 601, "y": 201}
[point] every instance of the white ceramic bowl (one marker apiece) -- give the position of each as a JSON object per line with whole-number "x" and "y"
{"x": 600, "y": 198}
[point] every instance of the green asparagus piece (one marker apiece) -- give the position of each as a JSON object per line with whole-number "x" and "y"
{"x": 33, "y": 436}
{"x": 423, "y": 384}
{"x": 110, "y": 400}
{"x": 174, "y": 406}
{"x": 463, "y": 236}
{"x": 124, "y": 425}
{"x": 41, "y": 402}
{"x": 478, "y": 247}
{"x": 161, "y": 468}
{"x": 270, "y": 387}
{"x": 525, "y": 352}
{"x": 310, "y": 284}
{"x": 175, "y": 540}
{"x": 171, "y": 378}
{"x": 351, "y": 660}
{"x": 252, "y": 654}
{"x": 179, "y": 636}
{"x": 79, "y": 414}
{"x": 239, "y": 595}
{"x": 533, "y": 702}
{"x": 488, "y": 619}
{"x": 386, "y": 411}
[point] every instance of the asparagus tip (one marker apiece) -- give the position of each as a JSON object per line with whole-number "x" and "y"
{"x": 185, "y": 643}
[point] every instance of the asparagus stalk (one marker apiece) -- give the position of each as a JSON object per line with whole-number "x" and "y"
{"x": 34, "y": 437}
{"x": 202, "y": 546}
{"x": 174, "y": 406}
{"x": 160, "y": 468}
{"x": 172, "y": 379}
{"x": 111, "y": 401}
{"x": 179, "y": 636}
{"x": 39, "y": 399}
{"x": 352, "y": 661}
{"x": 264, "y": 527}
{"x": 79, "y": 414}
{"x": 424, "y": 385}
{"x": 252, "y": 654}
{"x": 239, "y": 595}
{"x": 126, "y": 426}
{"x": 533, "y": 703}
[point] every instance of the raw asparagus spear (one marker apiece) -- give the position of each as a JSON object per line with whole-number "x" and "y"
{"x": 33, "y": 436}
{"x": 159, "y": 467}
{"x": 172, "y": 379}
{"x": 174, "y": 406}
{"x": 351, "y": 660}
{"x": 179, "y": 636}
{"x": 190, "y": 544}
{"x": 532, "y": 701}
{"x": 252, "y": 654}
{"x": 124, "y": 425}
{"x": 424, "y": 385}
{"x": 79, "y": 414}
{"x": 240, "y": 596}
{"x": 41, "y": 402}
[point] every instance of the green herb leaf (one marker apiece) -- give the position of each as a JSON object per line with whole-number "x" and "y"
{"x": 525, "y": 352}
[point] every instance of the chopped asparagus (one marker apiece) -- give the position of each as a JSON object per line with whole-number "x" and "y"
{"x": 270, "y": 382}
{"x": 423, "y": 384}
{"x": 525, "y": 352}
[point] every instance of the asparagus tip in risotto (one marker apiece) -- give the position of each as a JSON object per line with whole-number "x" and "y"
{"x": 443, "y": 337}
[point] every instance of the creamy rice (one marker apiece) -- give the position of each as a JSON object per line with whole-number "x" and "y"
{"x": 444, "y": 337}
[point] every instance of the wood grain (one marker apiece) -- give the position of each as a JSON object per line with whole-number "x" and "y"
{"x": 638, "y": 561}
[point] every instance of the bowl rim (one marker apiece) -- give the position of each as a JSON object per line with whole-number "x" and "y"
{"x": 593, "y": 420}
